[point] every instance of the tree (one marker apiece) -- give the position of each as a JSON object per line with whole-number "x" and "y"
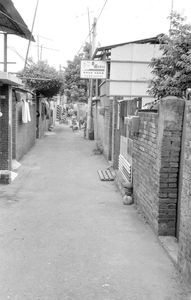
{"x": 42, "y": 78}
{"x": 173, "y": 69}
{"x": 75, "y": 88}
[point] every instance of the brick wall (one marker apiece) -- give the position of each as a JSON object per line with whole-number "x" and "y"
{"x": 145, "y": 166}
{"x": 184, "y": 252}
{"x": 156, "y": 164}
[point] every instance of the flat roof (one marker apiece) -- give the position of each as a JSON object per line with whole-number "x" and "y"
{"x": 10, "y": 79}
{"x": 152, "y": 40}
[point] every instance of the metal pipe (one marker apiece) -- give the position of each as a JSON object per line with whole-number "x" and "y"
{"x": 5, "y": 52}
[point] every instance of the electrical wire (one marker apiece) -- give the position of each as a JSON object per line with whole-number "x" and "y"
{"x": 101, "y": 11}
{"x": 28, "y": 48}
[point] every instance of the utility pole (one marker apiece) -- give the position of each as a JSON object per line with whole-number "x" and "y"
{"x": 89, "y": 133}
{"x": 89, "y": 26}
{"x": 94, "y": 33}
{"x": 171, "y": 12}
{"x": 38, "y": 50}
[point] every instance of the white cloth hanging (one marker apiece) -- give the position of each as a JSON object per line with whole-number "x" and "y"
{"x": 28, "y": 113}
{"x": 25, "y": 112}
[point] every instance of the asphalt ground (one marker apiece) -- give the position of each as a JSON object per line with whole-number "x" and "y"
{"x": 66, "y": 235}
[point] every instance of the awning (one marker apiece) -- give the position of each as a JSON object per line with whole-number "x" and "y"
{"x": 11, "y": 21}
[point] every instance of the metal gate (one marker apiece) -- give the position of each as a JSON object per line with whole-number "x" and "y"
{"x": 125, "y": 157}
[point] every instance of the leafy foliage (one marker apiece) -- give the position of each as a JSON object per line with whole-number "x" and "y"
{"x": 75, "y": 88}
{"x": 42, "y": 78}
{"x": 173, "y": 69}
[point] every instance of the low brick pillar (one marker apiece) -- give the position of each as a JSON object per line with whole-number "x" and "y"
{"x": 5, "y": 134}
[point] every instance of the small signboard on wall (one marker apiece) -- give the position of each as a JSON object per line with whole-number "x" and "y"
{"x": 93, "y": 69}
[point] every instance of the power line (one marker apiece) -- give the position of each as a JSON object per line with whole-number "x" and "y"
{"x": 90, "y": 31}
{"x": 44, "y": 47}
{"x": 102, "y": 9}
{"x": 44, "y": 37}
{"x": 34, "y": 18}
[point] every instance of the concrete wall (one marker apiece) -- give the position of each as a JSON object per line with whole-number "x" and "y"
{"x": 14, "y": 126}
{"x": 43, "y": 121}
{"x": 26, "y": 133}
{"x": 102, "y": 118}
{"x": 107, "y": 132}
{"x": 98, "y": 123}
{"x": 184, "y": 252}
{"x": 5, "y": 133}
{"x": 23, "y": 134}
{"x": 156, "y": 164}
{"x": 103, "y": 126}
{"x": 115, "y": 134}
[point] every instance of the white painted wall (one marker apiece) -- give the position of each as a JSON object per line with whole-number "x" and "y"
{"x": 140, "y": 52}
{"x": 137, "y": 69}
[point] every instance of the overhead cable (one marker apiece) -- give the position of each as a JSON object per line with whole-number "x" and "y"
{"x": 101, "y": 11}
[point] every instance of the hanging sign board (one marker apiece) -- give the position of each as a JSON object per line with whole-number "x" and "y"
{"x": 95, "y": 69}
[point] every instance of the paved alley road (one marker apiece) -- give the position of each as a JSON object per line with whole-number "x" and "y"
{"x": 65, "y": 235}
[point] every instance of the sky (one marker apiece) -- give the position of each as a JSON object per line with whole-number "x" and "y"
{"x": 62, "y": 26}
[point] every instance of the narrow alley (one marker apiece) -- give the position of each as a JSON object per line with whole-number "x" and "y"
{"x": 64, "y": 234}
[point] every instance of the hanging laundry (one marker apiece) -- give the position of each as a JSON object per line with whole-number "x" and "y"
{"x": 28, "y": 112}
{"x": 47, "y": 109}
{"x": 25, "y": 112}
{"x": 51, "y": 105}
